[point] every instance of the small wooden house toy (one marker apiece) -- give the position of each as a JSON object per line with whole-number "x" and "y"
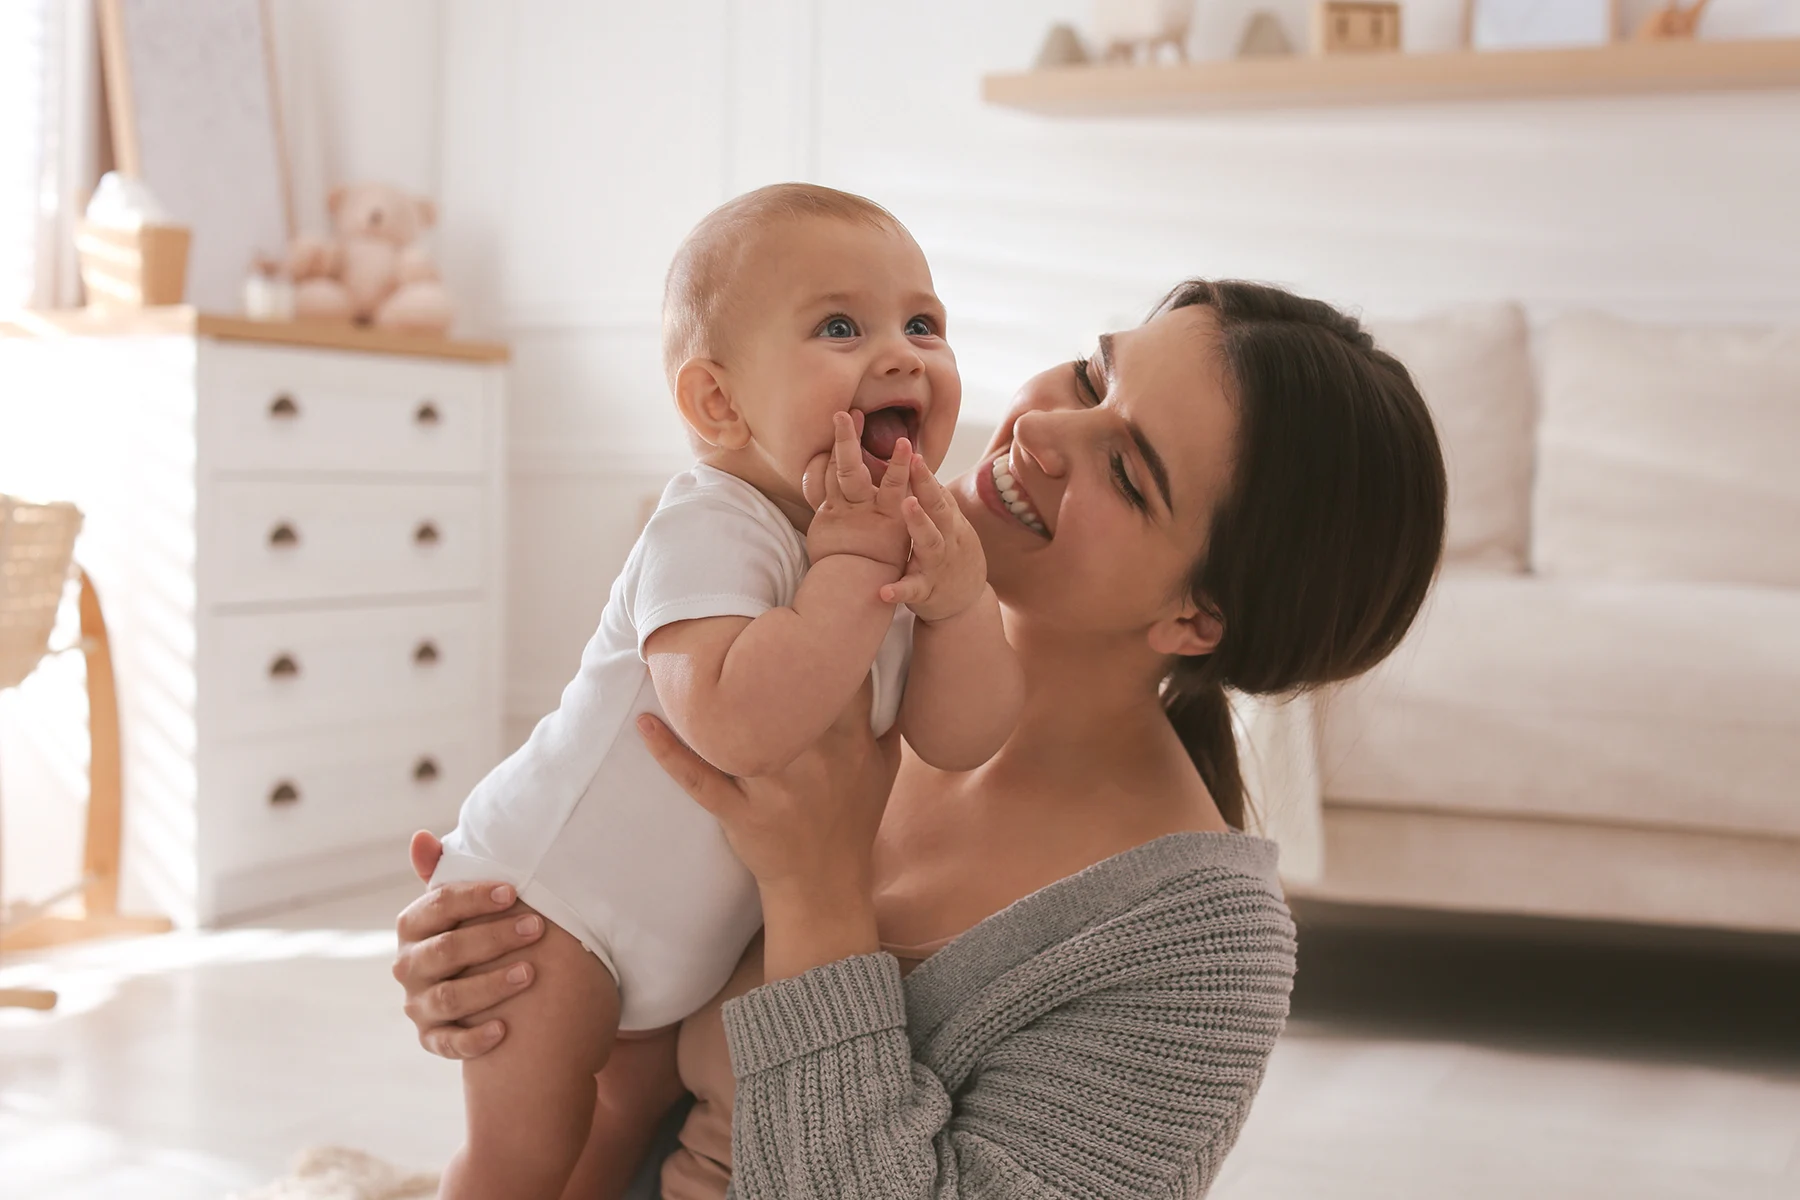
{"x": 1264, "y": 37}
{"x": 1344, "y": 27}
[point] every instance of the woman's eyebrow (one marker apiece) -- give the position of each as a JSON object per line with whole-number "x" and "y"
{"x": 1159, "y": 470}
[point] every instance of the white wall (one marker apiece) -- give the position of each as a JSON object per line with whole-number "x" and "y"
{"x": 573, "y": 142}
{"x": 360, "y": 95}
{"x": 580, "y": 140}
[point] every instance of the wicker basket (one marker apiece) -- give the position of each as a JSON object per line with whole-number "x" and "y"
{"x": 132, "y": 268}
{"x": 37, "y": 545}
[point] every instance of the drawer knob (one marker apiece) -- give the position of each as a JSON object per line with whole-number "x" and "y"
{"x": 284, "y": 793}
{"x": 284, "y": 535}
{"x": 284, "y": 667}
{"x": 425, "y": 770}
{"x": 426, "y": 414}
{"x": 425, "y": 654}
{"x": 283, "y": 408}
{"x": 426, "y": 534}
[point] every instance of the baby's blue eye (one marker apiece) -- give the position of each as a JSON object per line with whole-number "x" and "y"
{"x": 919, "y": 327}
{"x": 838, "y": 327}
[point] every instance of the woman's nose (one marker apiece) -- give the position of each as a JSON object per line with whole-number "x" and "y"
{"x": 1039, "y": 435}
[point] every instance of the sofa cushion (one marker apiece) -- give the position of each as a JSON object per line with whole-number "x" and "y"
{"x": 1473, "y": 366}
{"x": 1405, "y": 858}
{"x": 1666, "y": 704}
{"x": 1668, "y": 453}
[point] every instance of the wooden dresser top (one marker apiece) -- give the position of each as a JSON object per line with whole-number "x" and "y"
{"x": 182, "y": 320}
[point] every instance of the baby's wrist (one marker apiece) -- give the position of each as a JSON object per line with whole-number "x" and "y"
{"x": 886, "y": 572}
{"x": 943, "y": 618}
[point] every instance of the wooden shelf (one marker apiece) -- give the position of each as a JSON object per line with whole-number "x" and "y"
{"x": 326, "y": 335}
{"x": 1305, "y": 81}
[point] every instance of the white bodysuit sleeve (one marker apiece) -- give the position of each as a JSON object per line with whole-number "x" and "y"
{"x": 706, "y": 556}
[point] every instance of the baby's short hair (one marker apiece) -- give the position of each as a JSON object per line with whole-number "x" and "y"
{"x": 702, "y": 283}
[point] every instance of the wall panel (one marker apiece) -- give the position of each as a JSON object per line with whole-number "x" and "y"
{"x": 581, "y": 140}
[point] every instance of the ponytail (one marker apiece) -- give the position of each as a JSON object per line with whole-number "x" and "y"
{"x": 1201, "y": 715}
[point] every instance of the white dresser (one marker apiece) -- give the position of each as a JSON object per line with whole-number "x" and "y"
{"x": 297, "y": 537}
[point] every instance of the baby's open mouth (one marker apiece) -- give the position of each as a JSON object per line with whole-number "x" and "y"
{"x": 882, "y": 430}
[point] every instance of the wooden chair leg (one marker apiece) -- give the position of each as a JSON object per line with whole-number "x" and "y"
{"x": 100, "y": 860}
{"x": 105, "y": 782}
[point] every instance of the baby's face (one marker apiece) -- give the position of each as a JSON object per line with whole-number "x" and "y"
{"x": 842, "y": 318}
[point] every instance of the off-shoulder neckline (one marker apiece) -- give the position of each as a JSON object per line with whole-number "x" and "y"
{"x": 1057, "y": 911}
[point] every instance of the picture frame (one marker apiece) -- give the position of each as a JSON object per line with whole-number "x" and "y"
{"x": 195, "y": 114}
{"x": 1539, "y": 24}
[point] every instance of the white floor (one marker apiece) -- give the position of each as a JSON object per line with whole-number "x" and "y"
{"x": 194, "y": 1065}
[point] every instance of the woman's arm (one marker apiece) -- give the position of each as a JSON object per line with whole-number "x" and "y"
{"x": 1132, "y": 1090}
{"x": 805, "y": 834}
{"x": 1125, "y": 1075}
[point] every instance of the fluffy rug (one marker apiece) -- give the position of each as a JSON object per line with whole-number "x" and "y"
{"x": 337, "y": 1173}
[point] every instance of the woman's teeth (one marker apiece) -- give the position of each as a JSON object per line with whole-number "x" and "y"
{"x": 1014, "y": 496}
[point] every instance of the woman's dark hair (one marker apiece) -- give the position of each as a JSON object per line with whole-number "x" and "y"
{"x": 1327, "y": 540}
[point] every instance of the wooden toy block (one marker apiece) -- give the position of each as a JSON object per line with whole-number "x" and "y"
{"x": 1345, "y": 27}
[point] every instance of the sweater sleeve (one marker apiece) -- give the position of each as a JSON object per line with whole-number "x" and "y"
{"x": 1132, "y": 1087}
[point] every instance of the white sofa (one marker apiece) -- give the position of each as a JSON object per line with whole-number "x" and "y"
{"x": 1598, "y": 714}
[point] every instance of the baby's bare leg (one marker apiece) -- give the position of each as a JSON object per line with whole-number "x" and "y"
{"x": 530, "y": 1101}
{"x": 638, "y": 1087}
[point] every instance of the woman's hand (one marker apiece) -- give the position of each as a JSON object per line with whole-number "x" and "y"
{"x": 444, "y": 936}
{"x": 806, "y": 834}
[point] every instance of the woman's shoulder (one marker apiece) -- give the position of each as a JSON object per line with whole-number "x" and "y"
{"x": 1187, "y": 867}
{"x": 1181, "y": 853}
{"x": 1188, "y": 900}
{"x": 1175, "y": 905}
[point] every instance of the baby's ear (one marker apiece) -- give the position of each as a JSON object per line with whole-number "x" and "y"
{"x": 704, "y": 401}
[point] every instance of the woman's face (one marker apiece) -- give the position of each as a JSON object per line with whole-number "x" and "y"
{"x": 1115, "y": 464}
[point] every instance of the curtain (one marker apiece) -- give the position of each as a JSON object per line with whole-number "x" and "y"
{"x": 50, "y": 146}
{"x": 24, "y": 146}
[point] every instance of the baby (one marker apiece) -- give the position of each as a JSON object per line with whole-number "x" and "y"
{"x": 805, "y": 348}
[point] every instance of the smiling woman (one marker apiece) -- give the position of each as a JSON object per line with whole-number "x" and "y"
{"x": 1060, "y": 973}
{"x": 1285, "y": 427}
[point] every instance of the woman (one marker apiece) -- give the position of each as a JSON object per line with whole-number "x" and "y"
{"x": 1242, "y": 492}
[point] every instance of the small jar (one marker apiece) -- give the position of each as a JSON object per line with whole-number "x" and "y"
{"x": 268, "y": 297}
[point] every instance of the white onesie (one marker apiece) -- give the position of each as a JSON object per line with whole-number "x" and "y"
{"x": 582, "y": 821}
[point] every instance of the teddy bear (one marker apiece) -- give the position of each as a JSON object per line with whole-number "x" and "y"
{"x": 370, "y": 271}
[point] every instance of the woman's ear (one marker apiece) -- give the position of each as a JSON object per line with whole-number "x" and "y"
{"x": 704, "y": 401}
{"x": 1192, "y": 631}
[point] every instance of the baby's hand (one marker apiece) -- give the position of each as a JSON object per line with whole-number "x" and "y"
{"x": 948, "y": 571}
{"x": 858, "y": 517}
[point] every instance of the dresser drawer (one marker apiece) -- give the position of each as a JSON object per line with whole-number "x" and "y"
{"x": 267, "y": 410}
{"x": 271, "y": 799}
{"x": 265, "y": 542}
{"x": 286, "y": 672}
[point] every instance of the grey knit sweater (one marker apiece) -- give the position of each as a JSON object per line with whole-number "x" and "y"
{"x": 1101, "y": 1038}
